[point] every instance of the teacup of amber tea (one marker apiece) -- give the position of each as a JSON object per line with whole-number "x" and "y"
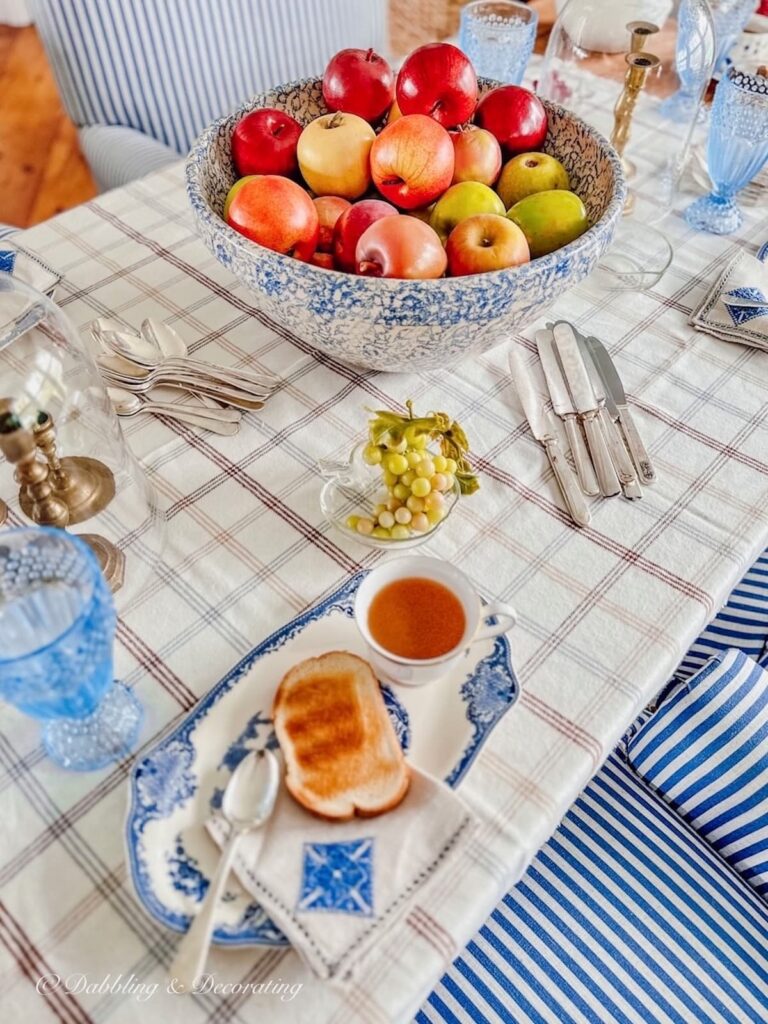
{"x": 418, "y": 615}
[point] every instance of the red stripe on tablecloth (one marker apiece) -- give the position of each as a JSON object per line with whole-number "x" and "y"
{"x": 33, "y": 966}
{"x": 449, "y": 946}
{"x": 564, "y": 725}
{"x": 154, "y": 665}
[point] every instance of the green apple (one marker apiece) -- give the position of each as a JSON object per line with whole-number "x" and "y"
{"x": 527, "y": 173}
{"x": 234, "y": 190}
{"x": 550, "y": 219}
{"x": 466, "y": 199}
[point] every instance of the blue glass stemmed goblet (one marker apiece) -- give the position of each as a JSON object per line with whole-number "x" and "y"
{"x": 57, "y": 624}
{"x": 737, "y": 149}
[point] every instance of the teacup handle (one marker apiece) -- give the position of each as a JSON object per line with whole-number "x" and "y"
{"x": 506, "y": 615}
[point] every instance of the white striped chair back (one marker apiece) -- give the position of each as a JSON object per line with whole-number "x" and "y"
{"x": 167, "y": 68}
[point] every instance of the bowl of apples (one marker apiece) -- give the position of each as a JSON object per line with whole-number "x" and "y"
{"x": 403, "y": 222}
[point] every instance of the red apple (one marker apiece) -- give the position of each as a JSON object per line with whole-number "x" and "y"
{"x": 401, "y": 247}
{"x": 351, "y": 224}
{"x": 484, "y": 242}
{"x": 477, "y": 156}
{"x": 515, "y": 116}
{"x": 412, "y": 161}
{"x": 438, "y": 79}
{"x": 264, "y": 142}
{"x": 329, "y": 209}
{"x": 277, "y": 213}
{"x": 324, "y": 260}
{"x": 359, "y": 82}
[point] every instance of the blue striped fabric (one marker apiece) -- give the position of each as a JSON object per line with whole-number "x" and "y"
{"x": 169, "y": 67}
{"x": 742, "y": 623}
{"x": 625, "y": 916}
{"x": 118, "y": 155}
{"x": 706, "y": 752}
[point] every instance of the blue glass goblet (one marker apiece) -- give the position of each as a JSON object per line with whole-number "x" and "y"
{"x": 57, "y": 624}
{"x": 737, "y": 148}
{"x": 498, "y": 37}
{"x": 730, "y": 17}
{"x": 694, "y": 60}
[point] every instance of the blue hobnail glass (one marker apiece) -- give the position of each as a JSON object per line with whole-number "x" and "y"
{"x": 498, "y": 37}
{"x": 730, "y": 17}
{"x": 737, "y": 149}
{"x": 695, "y": 47}
{"x": 57, "y": 625}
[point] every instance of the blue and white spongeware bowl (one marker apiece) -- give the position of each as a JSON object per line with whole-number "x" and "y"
{"x": 396, "y": 325}
{"x": 354, "y": 488}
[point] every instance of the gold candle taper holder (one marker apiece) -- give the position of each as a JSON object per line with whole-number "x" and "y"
{"x": 639, "y": 65}
{"x": 85, "y": 485}
{"x": 46, "y": 482}
{"x": 639, "y": 32}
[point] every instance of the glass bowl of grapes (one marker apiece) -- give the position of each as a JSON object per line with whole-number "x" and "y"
{"x": 401, "y": 484}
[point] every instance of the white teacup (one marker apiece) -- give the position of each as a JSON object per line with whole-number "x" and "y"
{"x": 416, "y": 672}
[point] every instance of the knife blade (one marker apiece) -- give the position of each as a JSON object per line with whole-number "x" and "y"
{"x": 544, "y": 429}
{"x": 563, "y": 406}
{"x": 615, "y": 388}
{"x": 622, "y": 462}
{"x": 586, "y": 405}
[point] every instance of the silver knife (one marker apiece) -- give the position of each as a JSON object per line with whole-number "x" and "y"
{"x": 622, "y": 463}
{"x": 617, "y": 400}
{"x": 563, "y": 406}
{"x": 586, "y": 406}
{"x": 544, "y": 429}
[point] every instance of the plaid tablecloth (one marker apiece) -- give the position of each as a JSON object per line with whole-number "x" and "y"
{"x": 605, "y": 612}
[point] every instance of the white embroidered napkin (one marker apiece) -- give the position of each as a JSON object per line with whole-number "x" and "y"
{"x": 335, "y": 887}
{"x": 746, "y": 278}
{"x": 26, "y": 268}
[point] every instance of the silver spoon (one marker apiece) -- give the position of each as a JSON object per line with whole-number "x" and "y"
{"x": 173, "y": 348}
{"x": 141, "y": 380}
{"x": 127, "y": 404}
{"x": 249, "y": 800}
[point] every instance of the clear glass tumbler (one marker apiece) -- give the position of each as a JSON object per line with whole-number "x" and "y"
{"x": 57, "y": 625}
{"x": 737, "y": 149}
{"x": 498, "y": 37}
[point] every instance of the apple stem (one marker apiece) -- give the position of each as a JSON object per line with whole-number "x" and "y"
{"x": 369, "y": 55}
{"x": 336, "y": 120}
{"x": 369, "y": 268}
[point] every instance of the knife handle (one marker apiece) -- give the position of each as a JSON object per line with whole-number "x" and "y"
{"x": 574, "y": 500}
{"x": 582, "y": 461}
{"x": 639, "y": 452}
{"x": 622, "y": 463}
{"x": 606, "y": 474}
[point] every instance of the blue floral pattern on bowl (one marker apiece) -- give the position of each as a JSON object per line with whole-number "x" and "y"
{"x": 402, "y": 325}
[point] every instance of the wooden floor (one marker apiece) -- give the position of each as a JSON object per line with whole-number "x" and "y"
{"x": 41, "y": 168}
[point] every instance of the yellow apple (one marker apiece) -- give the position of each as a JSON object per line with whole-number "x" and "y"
{"x": 333, "y": 154}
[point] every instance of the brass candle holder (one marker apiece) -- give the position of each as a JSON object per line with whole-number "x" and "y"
{"x": 639, "y": 65}
{"x": 85, "y": 485}
{"x": 48, "y": 484}
{"x": 639, "y": 32}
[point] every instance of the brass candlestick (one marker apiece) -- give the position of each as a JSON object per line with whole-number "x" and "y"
{"x": 3, "y": 512}
{"x": 639, "y": 32}
{"x": 39, "y": 496}
{"x": 638, "y": 67}
{"x": 85, "y": 485}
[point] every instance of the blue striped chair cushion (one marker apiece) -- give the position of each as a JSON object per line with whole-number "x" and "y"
{"x": 742, "y": 623}
{"x": 625, "y": 916}
{"x": 706, "y": 752}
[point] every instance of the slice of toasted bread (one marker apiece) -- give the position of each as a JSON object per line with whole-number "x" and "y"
{"x": 339, "y": 745}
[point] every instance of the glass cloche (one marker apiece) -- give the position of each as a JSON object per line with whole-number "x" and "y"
{"x": 63, "y": 459}
{"x": 637, "y": 71}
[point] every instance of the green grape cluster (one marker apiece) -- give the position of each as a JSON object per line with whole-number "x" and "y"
{"x": 417, "y": 483}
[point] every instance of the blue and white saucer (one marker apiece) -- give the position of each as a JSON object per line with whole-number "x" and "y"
{"x": 175, "y": 786}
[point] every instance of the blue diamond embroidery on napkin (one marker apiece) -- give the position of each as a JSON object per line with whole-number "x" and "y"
{"x": 741, "y": 316}
{"x": 7, "y": 260}
{"x": 338, "y": 877}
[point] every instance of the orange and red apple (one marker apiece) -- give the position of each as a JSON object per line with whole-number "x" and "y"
{"x": 412, "y": 161}
{"x": 277, "y": 213}
{"x": 483, "y": 243}
{"x": 477, "y": 155}
{"x": 401, "y": 247}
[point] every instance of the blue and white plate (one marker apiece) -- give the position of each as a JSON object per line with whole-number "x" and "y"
{"x": 175, "y": 787}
